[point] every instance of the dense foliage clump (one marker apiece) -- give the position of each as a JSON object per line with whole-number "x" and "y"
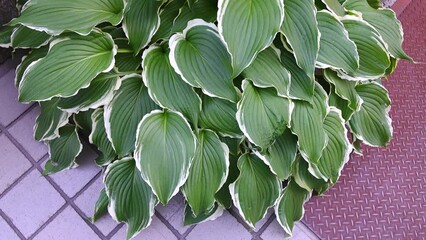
{"x": 243, "y": 102}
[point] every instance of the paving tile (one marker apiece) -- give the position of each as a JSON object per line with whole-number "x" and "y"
{"x": 12, "y": 163}
{"x": 224, "y": 228}
{"x": 300, "y": 232}
{"x": 86, "y": 202}
{"x": 174, "y": 212}
{"x": 23, "y": 132}
{"x": 73, "y": 180}
{"x": 68, "y": 225}
{"x": 6, "y": 232}
{"x": 156, "y": 231}
{"x": 10, "y": 108}
{"x": 31, "y": 203}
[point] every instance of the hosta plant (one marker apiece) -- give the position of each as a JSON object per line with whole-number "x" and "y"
{"x": 251, "y": 103}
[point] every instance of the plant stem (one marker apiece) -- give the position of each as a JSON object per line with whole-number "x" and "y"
{"x": 124, "y": 51}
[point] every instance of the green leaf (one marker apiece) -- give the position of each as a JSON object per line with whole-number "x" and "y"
{"x": 300, "y": 27}
{"x": 336, "y": 153}
{"x": 372, "y": 123}
{"x": 23, "y": 37}
{"x": 99, "y": 93}
{"x": 267, "y": 71}
{"x": 305, "y": 179}
{"x": 49, "y": 121}
{"x": 262, "y": 115}
{"x": 190, "y": 219}
{"x": 302, "y": 86}
{"x": 33, "y": 56}
{"x": 202, "y": 9}
{"x": 99, "y": 138}
{"x": 386, "y": 23}
{"x": 344, "y": 89}
{"x": 166, "y": 87}
{"x": 340, "y": 103}
{"x": 200, "y": 57}
{"x": 167, "y": 15}
{"x": 63, "y": 150}
{"x": 289, "y": 208}
{"x": 281, "y": 154}
{"x": 307, "y": 124}
{"x": 126, "y": 61}
{"x": 70, "y": 65}
{"x": 5, "y": 34}
{"x": 123, "y": 114}
{"x": 373, "y": 56}
{"x": 248, "y": 27}
{"x": 207, "y": 174}
{"x": 80, "y": 16}
{"x": 336, "y": 49}
{"x": 83, "y": 120}
{"x": 165, "y": 147}
{"x": 223, "y": 196}
{"x": 255, "y": 190}
{"x": 101, "y": 206}
{"x": 141, "y": 21}
{"x": 131, "y": 199}
{"x": 219, "y": 115}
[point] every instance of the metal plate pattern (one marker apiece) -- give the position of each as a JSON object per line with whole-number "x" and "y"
{"x": 382, "y": 195}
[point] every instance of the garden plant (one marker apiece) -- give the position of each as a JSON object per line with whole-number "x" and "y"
{"x": 252, "y": 103}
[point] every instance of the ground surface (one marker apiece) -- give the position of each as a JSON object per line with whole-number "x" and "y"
{"x": 380, "y": 195}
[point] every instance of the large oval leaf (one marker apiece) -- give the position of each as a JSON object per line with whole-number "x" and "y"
{"x": 5, "y": 34}
{"x": 303, "y": 177}
{"x": 289, "y": 208}
{"x": 165, "y": 146}
{"x": 23, "y": 37}
{"x": 300, "y": 28}
{"x": 141, "y": 21}
{"x": 281, "y": 155}
{"x": 219, "y": 115}
{"x": 267, "y": 71}
{"x": 386, "y": 23}
{"x": 99, "y": 138}
{"x": 207, "y": 174}
{"x": 123, "y": 114}
{"x": 307, "y": 123}
{"x": 200, "y": 57}
{"x": 373, "y": 56}
{"x": 336, "y": 153}
{"x": 223, "y": 196}
{"x": 372, "y": 123}
{"x": 63, "y": 151}
{"x": 99, "y": 93}
{"x": 344, "y": 89}
{"x": 49, "y": 121}
{"x": 190, "y": 219}
{"x": 130, "y": 199}
{"x": 71, "y": 64}
{"x": 203, "y": 9}
{"x": 166, "y": 87}
{"x": 248, "y": 27}
{"x": 301, "y": 86}
{"x": 336, "y": 49}
{"x": 255, "y": 190}
{"x": 80, "y": 16}
{"x": 34, "y": 55}
{"x": 169, "y": 11}
{"x": 262, "y": 115}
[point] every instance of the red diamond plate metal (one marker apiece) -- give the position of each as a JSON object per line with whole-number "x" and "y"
{"x": 382, "y": 195}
